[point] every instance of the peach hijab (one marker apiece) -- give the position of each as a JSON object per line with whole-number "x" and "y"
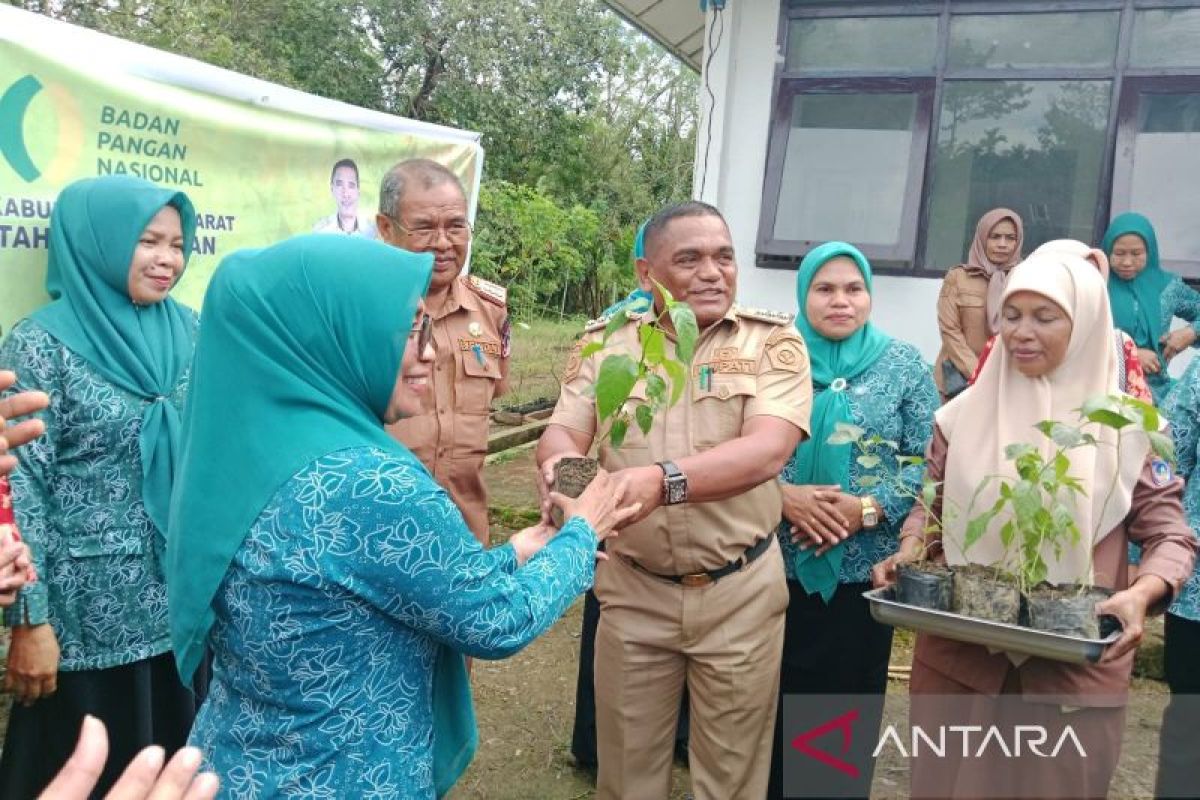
{"x": 979, "y": 264}
{"x": 1003, "y": 406}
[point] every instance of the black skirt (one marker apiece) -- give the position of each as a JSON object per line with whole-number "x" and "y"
{"x": 140, "y": 704}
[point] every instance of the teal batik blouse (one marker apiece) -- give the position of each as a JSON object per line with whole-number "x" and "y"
{"x": 1177, "y": 300}
{"x": 1182, "y": 408}
{"x": 77, "y": 500}
{"x": 329, "y": 620}
{"x": 895, "y": 398}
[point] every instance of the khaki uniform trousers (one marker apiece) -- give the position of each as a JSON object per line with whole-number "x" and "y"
{"x": 725, "y": 640}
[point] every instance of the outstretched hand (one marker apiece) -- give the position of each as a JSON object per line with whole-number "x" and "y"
{"x": 144, "y": 779}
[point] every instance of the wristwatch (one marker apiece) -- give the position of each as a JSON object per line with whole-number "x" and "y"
{"x": 870, "y": 517}
{"x": 675, "y": 487}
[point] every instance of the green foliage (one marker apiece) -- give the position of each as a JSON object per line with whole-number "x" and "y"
{"x": 1037, "y": 508}
{"x": 588, "y": 127}
{"x": 619, "y": 374}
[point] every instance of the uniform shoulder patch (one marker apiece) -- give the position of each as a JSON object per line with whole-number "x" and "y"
{"x": 786, "y": 351}
{"x": 492, "y": 292}
{"x": 597, "y": 324}
{"x": 1160, "y": 471}
{"x": 765, "y": 315}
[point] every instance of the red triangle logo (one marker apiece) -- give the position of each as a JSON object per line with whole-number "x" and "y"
{"x": 843, "y": 723}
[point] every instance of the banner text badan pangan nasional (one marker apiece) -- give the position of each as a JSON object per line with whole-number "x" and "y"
{"x": 256, "y": 175}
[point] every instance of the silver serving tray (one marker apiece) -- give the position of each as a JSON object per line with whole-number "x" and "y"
{"x": 998, "y": 636}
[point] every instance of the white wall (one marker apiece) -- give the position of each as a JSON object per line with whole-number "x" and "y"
{"x": 742, "y": 77}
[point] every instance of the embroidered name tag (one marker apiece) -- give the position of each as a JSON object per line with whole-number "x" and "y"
{"x": 491, "y": 348}
{"x": 731, "y": 366}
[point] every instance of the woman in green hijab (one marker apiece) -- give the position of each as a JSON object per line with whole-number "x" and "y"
{"x": 335, "y": 582}
{"x": 1145, "y": 298}
{"x": 842, "y": 506}
{"x": 112, "y": 350}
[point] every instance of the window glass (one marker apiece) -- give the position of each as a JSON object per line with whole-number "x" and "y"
{"x": 847, "y": 168}
{"x": 1166, "y": 171}
{"x": 1166, "y": 38}
{"x": 876, "y": 43}
{"x": 1023, "y": 41}
{"x": 1034, "y": 146}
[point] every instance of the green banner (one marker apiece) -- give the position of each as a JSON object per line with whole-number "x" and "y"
{"x": 255, "y": 174}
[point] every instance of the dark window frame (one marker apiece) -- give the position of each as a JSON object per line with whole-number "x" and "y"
{"x": 771, "y": 253}
{"x": 1127, "y": 105}
{"x": 781, "y": 121}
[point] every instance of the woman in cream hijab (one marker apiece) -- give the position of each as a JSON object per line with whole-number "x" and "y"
{"x": 1056, "y": 352}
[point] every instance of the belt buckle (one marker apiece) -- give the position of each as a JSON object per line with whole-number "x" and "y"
{"x": 696, "y": 580}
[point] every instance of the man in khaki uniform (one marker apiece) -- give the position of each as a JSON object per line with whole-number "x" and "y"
{"x": 694, "y": 590}
{"x": 423, "y": 208}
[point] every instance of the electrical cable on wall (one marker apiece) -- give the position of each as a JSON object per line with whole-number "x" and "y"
{"x": 716, "y": 32}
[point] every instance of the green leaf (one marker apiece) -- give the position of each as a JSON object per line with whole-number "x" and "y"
{"x": 645, "y": 418}
{"x": 619, "y": 318}
{"x": 590, "y": 349}
{"x": 1014, "y": 451}
{"x": 686, "y": 331}
{"x": 928, "y": 493}
{"x": 1109, "y": 419}
{"x": 868, "y": 461}
{"x": 1102, "y": 402}
{"x": 905, "y": 461}
{"x": 618, "y": 374}
{"x": 1065, "y": 435}
{"x": 678, "y": 374}
{"x": 654, "y": 344}
{"x": 656, "y": 387}
{"x": 1162, "y": 445}
{"x": 1006, "y": 534}
{"x": 616, "y": 434}
{"x": 1027, "y": 500}
{"x": 976, "y": 528}
{"x": 1045, "y": 426}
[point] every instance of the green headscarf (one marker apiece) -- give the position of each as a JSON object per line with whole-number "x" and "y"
{"x": 94, "y": 230}
{"x": 833, "y": 363}
{"x": 297, "y": 358}
{"x": 1136, "y": 304}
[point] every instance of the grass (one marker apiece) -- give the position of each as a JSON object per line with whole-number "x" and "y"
{"x": 539, "y": 355}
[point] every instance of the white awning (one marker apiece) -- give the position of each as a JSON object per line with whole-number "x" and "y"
{"x": 678, "y": 25}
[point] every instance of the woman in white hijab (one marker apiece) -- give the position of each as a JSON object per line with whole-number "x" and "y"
{"x": 1056, "y": 352}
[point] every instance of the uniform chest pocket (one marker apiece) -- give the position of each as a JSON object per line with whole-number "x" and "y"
{"x": 972, "y": 301}
{"x": 480, "y": 372}
{"x": 719, "y": 408}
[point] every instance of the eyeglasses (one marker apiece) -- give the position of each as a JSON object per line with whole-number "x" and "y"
{"x": 424, "y": 332}
{"x": 457, "y": 231}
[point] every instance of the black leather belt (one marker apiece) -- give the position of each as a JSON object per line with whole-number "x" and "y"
{"x": 696, "y": 579}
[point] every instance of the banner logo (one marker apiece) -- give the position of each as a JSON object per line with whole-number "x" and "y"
{"x": 844, "y": 723}
{"x": 13, "y": 105}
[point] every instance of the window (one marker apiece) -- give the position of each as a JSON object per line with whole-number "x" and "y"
{"x": 1034, "y": 146}
{"x": 1166, "y": 38}
{"x": 883, "y": 44}
{"x": 1158, "y": 166}
{"x": 995, "y": 103}
{"x": 856, "y": 148}
{"x": 1027, "y": 41}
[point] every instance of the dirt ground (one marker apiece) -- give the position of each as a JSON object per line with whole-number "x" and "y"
{"x": 525, "y": 705}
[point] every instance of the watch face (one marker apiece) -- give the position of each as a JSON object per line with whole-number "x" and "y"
{"x": 676, "y": 491}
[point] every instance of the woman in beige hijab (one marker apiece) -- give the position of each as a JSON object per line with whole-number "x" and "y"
{"x": 969, "y": 303}
{"x": 1055, "y": 352}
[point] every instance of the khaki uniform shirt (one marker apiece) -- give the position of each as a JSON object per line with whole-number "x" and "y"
{"x": 450, "y": 434}
{"x": 759, "y": 366}
{"x": 962, "y": 320}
